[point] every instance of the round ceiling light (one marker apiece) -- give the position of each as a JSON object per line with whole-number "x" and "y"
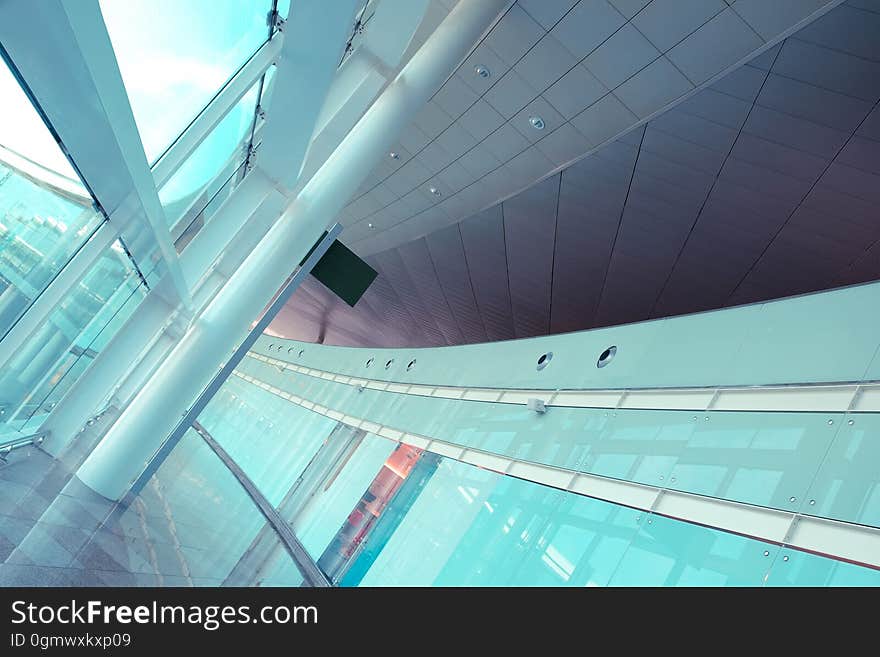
{"x": 482, "y": 71}
{"x": 537, "y": 122}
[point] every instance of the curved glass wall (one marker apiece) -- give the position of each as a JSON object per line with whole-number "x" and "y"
{"x": 371, "y": 511}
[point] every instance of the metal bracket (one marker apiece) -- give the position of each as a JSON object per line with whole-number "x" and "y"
{"x": 276, "y": 21}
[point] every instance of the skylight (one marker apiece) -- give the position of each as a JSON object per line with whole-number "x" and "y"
{"x": 175, "y": 56}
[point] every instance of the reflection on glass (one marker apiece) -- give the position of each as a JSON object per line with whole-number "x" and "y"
{"x": 175, "y": 56}
{"x": 270, "y": 439}
{"x": 45, "y": 213}
{"x": 210, "y": 164}
{"x": 192, "y": 525}
{"x": 374, "y": 512}
{"x": 50, "y": 361}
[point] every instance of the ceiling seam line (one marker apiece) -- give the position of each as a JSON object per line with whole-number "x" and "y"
{"x": 804, "y": 198}
{"x": 507, "y": 269}
{"x": 442, "y": 289}
{"x": 467, "y": 268}
{"x": 553, "y": 259}
{"x": 835, "y": 50}
{"x": 401, "y": 303}
{"x": 619, "y": 224}
{"x": 712, "y": 186}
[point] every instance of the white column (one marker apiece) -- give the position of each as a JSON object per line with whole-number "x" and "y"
{"x": 153, "y": 414}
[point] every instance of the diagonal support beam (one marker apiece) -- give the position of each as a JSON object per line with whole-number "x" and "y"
{"x": 313, "y": 45}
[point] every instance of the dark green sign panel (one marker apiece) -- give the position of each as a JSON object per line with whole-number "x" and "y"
{"x": 343, "y": 272}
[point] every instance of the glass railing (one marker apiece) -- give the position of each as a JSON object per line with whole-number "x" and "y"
{"x": 192, "y": 524}
{"x": 372, "y": 511}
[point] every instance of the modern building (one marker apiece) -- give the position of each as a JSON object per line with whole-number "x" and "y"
{"x": 624, "y": 327}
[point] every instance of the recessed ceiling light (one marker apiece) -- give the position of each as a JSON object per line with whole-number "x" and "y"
{"x": 482, "y": 71}
{"x": 369, "y": 225}
{"x": 537, "y": 122}
{"x": 434, "y": 191}
{"x": 393, "y": 155}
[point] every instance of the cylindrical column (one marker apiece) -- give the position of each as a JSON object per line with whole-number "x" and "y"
{"x": 153, "y": 414}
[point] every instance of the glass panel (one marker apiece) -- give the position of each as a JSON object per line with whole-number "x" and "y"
{"x": 271, "y": 439}
{"x": 219, "y": 155}
{"x": 46, "y": 215}
{"x": 763, "y": 458}
{"x": 76, "y": 330}
{"x": 192, "y": 525}
{"x": 847, "y": 486}
{"x": 318, "y": 523}
{"x": 208, "y": 210}
{"x": 175, "y": 56}
{"x": 667, "y": 552}
{"x": 794, "y": 568}
{"x": 473, "y": 527}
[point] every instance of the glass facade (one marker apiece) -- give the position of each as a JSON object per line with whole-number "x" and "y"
{"x": 175, "y": 56}
{"x": 220, "y": 154}
{"x": 72, "y": 336}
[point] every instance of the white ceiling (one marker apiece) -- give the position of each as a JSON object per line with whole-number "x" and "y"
{"x": 592, "y": 70}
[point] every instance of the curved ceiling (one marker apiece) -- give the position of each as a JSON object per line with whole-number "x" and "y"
{"x": 766, "y": 183}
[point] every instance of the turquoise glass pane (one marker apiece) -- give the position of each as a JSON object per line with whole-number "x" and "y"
{"x": 271, "y": 439}
{"x": 472, "y": 527}
{"x": 40, "y": 230}
{"x": 46, "y": 214}
{"x": 768, "y": 459}
{"x": 671, "y": 553}
{"x": 190, "y": 187}
{"x": 318, "y": 523}
{"x": 175, "y": 56}
{"x": 794, "y": 568}
{"x": 82, "y": 353}
{"x": 77, "y": 328}
{"x": 847, "y": 486}
{"x": 762, "y": 458}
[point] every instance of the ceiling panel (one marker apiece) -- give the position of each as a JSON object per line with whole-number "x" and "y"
{"x": 591, "y": 71}
{"x": 766, "y": 183}
{"x": 448, "y": 256}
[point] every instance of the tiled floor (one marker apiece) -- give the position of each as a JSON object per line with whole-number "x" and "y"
{"x": 190, "y": 526}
